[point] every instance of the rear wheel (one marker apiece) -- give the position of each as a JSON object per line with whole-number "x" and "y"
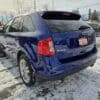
{"x": 26, "y": 72}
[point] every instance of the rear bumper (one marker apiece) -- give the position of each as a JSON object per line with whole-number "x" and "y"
{"x": 62, "y": 70}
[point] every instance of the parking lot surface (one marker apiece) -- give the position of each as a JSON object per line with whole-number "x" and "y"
{"x": 84, "y": 85}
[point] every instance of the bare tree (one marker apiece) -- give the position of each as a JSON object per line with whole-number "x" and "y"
{"x": 53, "y": 4}
{"x": 90, "y": 13}
{"x": 76, "y": 11}
{"x": 35, "y": 5}
{"x": 19, "y": 6}
{"x": 94, "y": 16}
{"x": 45, "y": 7}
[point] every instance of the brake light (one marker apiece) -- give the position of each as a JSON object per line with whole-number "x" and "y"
{"x": 45, "y": 47}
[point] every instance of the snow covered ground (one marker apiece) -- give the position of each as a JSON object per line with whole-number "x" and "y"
{"x": 84, "y": 85}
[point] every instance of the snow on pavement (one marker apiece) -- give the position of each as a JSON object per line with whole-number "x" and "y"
{"x": 84, "y": 85}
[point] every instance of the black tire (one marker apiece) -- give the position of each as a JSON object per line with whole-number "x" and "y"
{"x": 2, "y": 53}
{"x": 31, "y": 73}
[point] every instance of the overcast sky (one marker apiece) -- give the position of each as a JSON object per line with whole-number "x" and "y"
{"x": 67, "y": 5}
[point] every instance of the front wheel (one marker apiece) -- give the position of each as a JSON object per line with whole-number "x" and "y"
{"x": 2, "y": 53}
{"x": 26, "y": 72}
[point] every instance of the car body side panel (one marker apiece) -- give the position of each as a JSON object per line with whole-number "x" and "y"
{"x": 53, "y": 67}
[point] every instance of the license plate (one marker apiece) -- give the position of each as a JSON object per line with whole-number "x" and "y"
{"x": 83, "y": 41}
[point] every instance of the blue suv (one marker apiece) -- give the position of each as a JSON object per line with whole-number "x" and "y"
{"x": 48, "y": 45}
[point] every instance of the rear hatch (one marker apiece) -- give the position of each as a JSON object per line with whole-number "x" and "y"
{"x": 71, "y": 36}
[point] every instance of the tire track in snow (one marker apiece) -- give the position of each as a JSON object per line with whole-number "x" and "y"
{"x": 9, "y": 73}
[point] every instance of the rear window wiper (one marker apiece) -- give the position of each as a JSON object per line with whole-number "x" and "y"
{"x": 83, "y": 27}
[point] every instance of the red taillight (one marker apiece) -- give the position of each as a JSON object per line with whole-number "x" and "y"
{"x": 45, "y": 47}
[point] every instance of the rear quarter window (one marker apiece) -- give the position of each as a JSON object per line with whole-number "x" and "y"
{"x": 28, "y": 25}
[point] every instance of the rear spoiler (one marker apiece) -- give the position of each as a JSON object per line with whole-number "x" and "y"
{"x": 59, "y": 15}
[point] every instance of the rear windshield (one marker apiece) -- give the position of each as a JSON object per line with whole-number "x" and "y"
{"x": 57, "y": 15}
{"x": 66, "y": 25}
